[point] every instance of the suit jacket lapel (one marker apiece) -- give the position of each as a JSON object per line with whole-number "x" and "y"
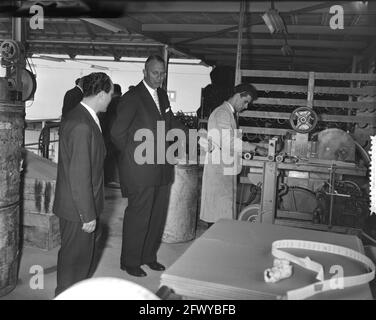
{"x": 162, "y": 105}
{"x": 148, "y": 101}
{"x": 90, "y": 119}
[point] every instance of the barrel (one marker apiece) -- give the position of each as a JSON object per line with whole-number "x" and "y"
{"x": 182, "y": 209}
{"x": 11, "y": 139}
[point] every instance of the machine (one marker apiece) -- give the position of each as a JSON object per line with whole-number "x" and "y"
{"x": 18, "y": 83}
{"x": 325, "y": 185}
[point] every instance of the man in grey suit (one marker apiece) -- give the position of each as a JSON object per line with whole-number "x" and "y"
{"x": 223, "y": 161}
{"x": 79, "y": 195}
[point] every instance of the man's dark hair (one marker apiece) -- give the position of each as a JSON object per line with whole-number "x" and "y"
{"x": 154, "y": 57}
{"x": 77, "y": 81}
{"x": 246, "y": 89}
{"x": 117, "y": 89}
{"x": 96, "y": 82}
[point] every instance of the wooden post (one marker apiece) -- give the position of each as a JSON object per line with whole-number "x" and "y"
{"x": 269, "y": 193}
{"x": 238, "y": 76}
{"x": 17, "y": 30}
{"x": 301, "y": 139}
{"x": 311, "y": 89}
{"x": 18, "y": 34}
{"x": 166, "y": 58}
{"x": 352, "y": 85}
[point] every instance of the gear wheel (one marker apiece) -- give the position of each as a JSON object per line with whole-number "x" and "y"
{"x": 9, "y": 50}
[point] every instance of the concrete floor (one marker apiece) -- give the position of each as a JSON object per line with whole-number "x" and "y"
{"x": 108, "y": 260}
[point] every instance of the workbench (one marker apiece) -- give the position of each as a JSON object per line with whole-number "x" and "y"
{"x": 229, "y": 259}
{"x": 268, "y": 172}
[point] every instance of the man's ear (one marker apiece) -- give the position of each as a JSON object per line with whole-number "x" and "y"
{"x": 237, "y": 97}
{"x": 101, "y": 94}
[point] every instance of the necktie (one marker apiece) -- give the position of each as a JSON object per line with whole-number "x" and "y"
{"x": 156, "y": 100}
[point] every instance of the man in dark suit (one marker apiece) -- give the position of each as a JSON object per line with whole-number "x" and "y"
{"x": 72, "y": 98}
{"x": 146, "y": 185}
{"x": 79, "y": 194}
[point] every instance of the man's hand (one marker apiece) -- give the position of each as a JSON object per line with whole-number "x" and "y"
{"x": 89, "y": 227}
{"x": 261, "y": 151}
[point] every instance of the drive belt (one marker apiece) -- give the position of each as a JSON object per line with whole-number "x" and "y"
{"x": 322, "y": 285}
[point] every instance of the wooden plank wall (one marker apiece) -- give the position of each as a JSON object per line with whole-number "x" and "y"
{"x": 331, "y": 92}
{"x": 362, "y": 133}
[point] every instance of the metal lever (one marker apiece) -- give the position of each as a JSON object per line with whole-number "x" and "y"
{"x": 338, "y": 194}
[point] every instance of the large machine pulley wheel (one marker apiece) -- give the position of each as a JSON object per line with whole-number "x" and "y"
{"x": 303, "y": 119}
{"x": 9, "y": 50}
{"x": 250, "y": 213}
{"x": 29, "y": 84}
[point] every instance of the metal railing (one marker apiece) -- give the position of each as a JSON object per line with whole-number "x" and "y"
{"x": 44, "y": 140}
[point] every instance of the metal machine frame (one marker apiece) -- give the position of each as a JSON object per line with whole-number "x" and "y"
{"x": 272, "y": 165}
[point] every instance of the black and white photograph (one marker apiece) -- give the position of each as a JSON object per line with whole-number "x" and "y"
{"x": 190, "y": 153}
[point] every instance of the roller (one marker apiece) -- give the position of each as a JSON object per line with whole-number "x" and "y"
{"x": 247, "y": 156}
{"x": 280, "y": 158}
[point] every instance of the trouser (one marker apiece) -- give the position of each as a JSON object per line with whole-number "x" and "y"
{"x": 75, "y": 255}
{"x": 143, "y": 225}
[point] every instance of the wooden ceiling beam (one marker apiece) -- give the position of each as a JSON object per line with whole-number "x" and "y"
{"x": 105, "y": 24}
{"x": 137, "y": 7}
{"x": 280, "y": 59}
{"x": 368, "y": 52}
{"x": 280, "y": 42}
{"x": 134, "y": 25}
{"x": 184, "y": 27}
{"x": 261, "y": 28}
{"x": 277, "y": 52}
{"x": 257, "y": 21}
{"x": 277, "y": 65}
{"x": 89, "y": 30}
{"x": 282, "y": 65}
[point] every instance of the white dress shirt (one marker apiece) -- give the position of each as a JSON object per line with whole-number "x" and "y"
{"x": 153, "y": 94}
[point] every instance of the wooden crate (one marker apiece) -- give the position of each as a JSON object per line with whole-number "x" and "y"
{"x": 41, "y": 230}
{"x": 40, "y": 225}
{"x": 38, "y": 195}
